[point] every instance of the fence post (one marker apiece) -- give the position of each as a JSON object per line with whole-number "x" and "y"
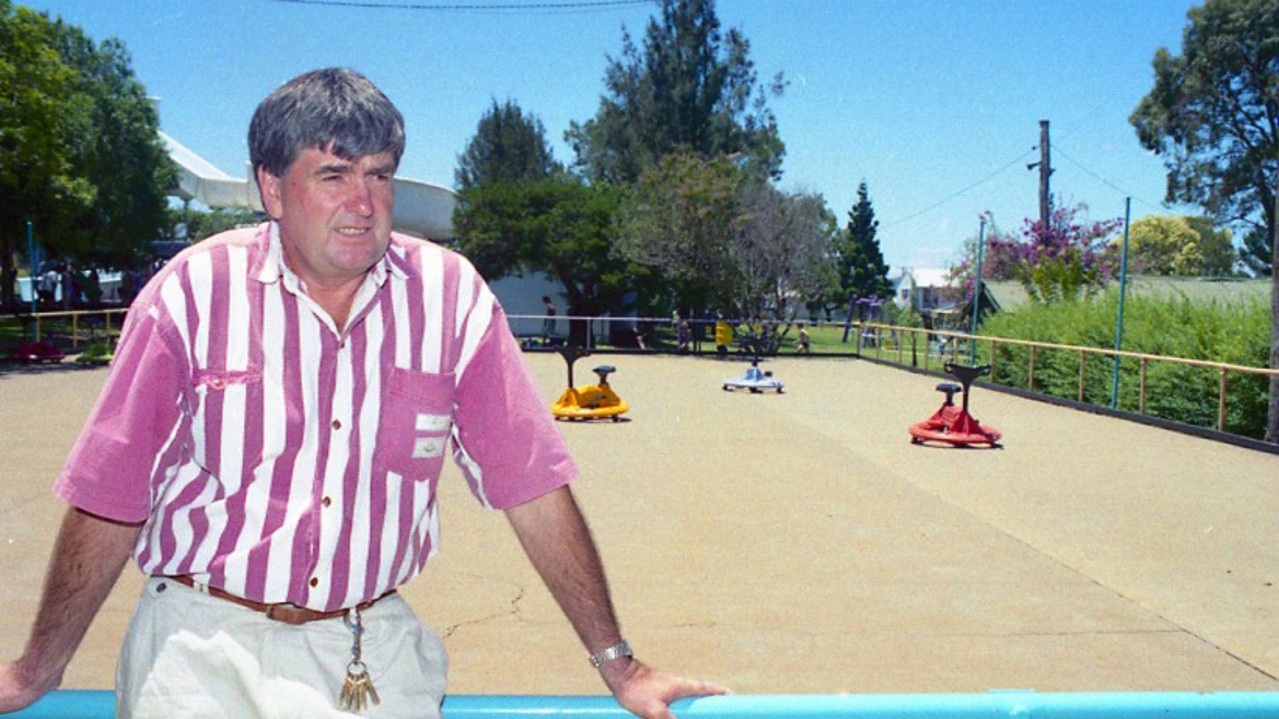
{"x": 1141, "y": 401}
{"x": 1221, "y": 403}
{"x": 1082, "y": 359}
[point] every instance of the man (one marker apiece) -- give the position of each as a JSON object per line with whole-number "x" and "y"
{"x": 268, "y": 444}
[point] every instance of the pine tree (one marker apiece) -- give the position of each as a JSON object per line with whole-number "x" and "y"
{"x": 862, "y": 271}
{"x": 509, "y": 145}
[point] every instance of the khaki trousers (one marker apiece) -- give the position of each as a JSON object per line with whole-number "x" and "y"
{"x": 187, "y": 654}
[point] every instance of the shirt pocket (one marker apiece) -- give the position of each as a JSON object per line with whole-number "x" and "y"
{"x": 414, "y": 423}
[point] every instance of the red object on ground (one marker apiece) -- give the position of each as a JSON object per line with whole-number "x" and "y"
{"x": 36, "y": 352}
{"x": 951, "y": 424}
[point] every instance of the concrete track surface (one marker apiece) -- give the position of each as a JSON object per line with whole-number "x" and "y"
{"x": 799, "y": 543}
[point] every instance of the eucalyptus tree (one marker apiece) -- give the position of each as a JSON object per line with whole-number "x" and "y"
{"x": 1213, "y": 114}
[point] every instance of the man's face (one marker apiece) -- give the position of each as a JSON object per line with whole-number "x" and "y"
{"x": 334, "y": 214}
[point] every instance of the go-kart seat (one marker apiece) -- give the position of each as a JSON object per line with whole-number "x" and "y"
{"x": 950, "y": 388}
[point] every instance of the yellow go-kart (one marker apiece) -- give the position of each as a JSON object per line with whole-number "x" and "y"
{"x": 593, "y": 401}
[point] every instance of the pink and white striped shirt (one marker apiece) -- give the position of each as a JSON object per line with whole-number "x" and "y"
{"x": 284, "y": 461}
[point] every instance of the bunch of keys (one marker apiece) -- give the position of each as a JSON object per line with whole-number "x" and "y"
{"x": 357, "y": 689}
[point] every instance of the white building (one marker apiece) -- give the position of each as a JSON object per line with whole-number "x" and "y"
{"x": 921, "y": 289}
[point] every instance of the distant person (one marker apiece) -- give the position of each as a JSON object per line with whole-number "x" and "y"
{"x": 685, "y": 336}
{"x": 268, "y": 443}
{"x": 723, "y": 336}
{"x": 48, "y": 288}
{"x": 802, "y": 344}
{"x": 548, "y": 320}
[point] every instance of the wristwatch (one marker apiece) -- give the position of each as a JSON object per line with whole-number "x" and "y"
{"x": 621, "y": 649}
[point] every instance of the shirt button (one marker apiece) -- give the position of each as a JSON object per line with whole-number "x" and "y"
{"x": 315, "y": 581}
{"x": 326, "y": 501}
{"x": 337, "y": 424}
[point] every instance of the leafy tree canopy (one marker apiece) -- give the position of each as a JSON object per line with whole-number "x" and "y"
{"x": 80, "y": 156}
{"x": 681, "y": 219}
{"x": 689, "y": 87}
{"x": 1174, "y": 245}
{"x": 557, "y": 226}
{"x": 509, "y": 145}
{"x": 729, "y": 240}
{"x": 1213, "y": 112}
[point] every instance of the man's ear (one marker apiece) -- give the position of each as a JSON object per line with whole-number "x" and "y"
{"x": 269, "y": 189}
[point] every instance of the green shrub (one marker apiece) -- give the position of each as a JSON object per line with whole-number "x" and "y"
{"x": 1236, "y": 332}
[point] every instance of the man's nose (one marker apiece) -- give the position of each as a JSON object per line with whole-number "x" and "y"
{"x": 360, "y": 199}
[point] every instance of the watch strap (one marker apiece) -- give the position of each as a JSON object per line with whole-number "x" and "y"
{"x": 621, "y": 649}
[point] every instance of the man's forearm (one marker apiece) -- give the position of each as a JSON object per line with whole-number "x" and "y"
{"x": 556, "y": 538}
{"x": 86, "y": 562}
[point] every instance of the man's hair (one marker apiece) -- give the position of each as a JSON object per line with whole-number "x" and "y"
{"x": 334, "y": 109}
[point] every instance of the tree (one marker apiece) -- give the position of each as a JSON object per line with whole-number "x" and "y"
{"x": 1180, "y": 246}
{"x": 125, "y": 159}
{"x": 1214, "y": 114}
{"x": 1218, "y": 256}
{"x": 509, "y": 145}
{"x": 39, "y": 114}
{"x": 728, "y": 240}
{"x": 689, "y": 88}
{"x": 1164, "y": 245}
{"x": 681, "y": 220}
{"x": 859, "y": 261}
{"x": 559, "y": 226}
{"x": 80, "y": 156}
{"x": 187, "y": 224}
{"x": 780, "y": 256}
{"x": 1257, "y": 252}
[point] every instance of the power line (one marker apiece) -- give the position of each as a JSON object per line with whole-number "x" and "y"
{"x": 1020, "y": 158}
{"x": 566, "y": 7}
{"x": 1103, "y": 180}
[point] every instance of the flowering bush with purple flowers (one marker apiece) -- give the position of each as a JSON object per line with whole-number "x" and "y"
{"x": 1068, "y": 259}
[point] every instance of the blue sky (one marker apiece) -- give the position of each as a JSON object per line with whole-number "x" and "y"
{"x": 935, "y": 104}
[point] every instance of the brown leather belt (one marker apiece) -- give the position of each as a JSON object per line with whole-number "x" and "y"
{"x": 287, "y": 613}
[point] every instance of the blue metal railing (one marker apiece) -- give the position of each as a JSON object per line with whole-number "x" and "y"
{"x": 81, "y": 704}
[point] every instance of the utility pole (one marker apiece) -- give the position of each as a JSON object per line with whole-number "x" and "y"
{"x": 1045, "y": 170}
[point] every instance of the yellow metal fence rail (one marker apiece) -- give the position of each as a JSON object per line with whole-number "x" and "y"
{"x": 933, "y": 348}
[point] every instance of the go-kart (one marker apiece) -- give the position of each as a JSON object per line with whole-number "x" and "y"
{"x": 593, "y": 401}
{"x": 755, "y": 380}
{"x": 952, "y": 424}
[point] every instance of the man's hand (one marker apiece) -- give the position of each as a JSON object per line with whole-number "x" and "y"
{"x": 647, "y": 692}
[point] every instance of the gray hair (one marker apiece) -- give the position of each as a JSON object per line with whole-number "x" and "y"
{"x": 333, "y": 109}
